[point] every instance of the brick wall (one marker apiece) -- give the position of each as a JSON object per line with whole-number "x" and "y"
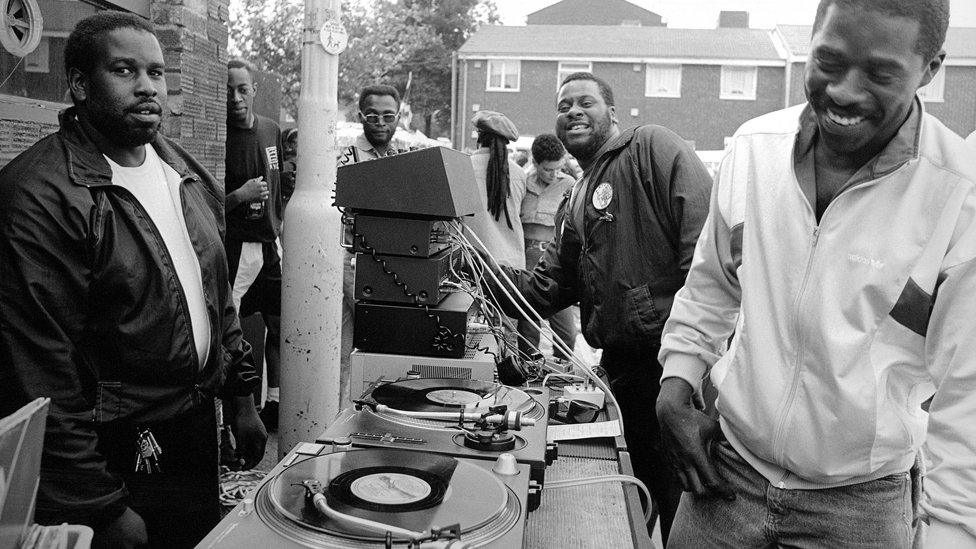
{"x": 798, "y": 94}
{"x": 698, "y": 115}
{"x": 24, "y": 122}
{"x": 958, "y": 110}
{"x": 193, "y": 34}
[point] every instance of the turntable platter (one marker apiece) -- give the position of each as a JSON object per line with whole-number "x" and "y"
{"x": 440, "y": 395}
{"x": 405, "y": 489}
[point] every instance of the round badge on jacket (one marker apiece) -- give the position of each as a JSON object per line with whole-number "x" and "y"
{"x": 602, "y": 196}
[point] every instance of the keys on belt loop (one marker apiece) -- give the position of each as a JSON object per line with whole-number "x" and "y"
{"x": 147, "y": 452}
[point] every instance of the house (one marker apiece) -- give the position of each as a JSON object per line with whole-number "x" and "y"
{"x": 193, "y": 35}
{"x": 581, "y": 12}
{"x": 950, "y": 97}
{"x": 702, "y": 83}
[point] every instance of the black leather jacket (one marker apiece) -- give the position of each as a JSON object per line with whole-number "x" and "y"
{"x": 92, "y": 315}
{"x": 624, "y": 261}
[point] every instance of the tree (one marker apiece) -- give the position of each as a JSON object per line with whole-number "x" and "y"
{"x": 269, "y": 35}
{"x": 390, "y": 41}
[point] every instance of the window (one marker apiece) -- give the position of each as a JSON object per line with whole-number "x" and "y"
{"x": 662, "y": 81}
{"x": 934, "y": 91}
{"x": 503, "y": 75}
{"x": 738, "y": 83}
{"x": 567, "y": 68}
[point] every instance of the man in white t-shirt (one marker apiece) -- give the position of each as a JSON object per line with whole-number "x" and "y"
{"x": 116, "y": 304}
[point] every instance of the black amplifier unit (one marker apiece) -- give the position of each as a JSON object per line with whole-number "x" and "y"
{"x": 434, "y": 182}
{"x": 400, "y": 235}
{"x": 398, "y": 279}
{"x": 413, "y": 329}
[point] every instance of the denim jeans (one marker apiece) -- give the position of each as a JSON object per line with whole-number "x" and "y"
{"x": 877, "y": 513}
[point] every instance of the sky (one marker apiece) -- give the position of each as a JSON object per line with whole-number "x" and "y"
{"x": 704, "y": 13}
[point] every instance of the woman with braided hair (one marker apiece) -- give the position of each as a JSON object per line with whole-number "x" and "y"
{"x": 502, "y": 183}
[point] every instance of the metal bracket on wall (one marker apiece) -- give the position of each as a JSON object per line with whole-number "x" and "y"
{"x": 20, "y": 26}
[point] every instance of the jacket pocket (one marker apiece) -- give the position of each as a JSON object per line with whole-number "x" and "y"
{"x": 110, "y": 401}
{"x": 641, "y": 316}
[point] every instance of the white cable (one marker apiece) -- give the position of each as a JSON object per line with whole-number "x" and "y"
{"x": 534, "y": 319}
{"x": 575, "y": 358}
{"x": 478, "y": 269}
{"x": 606, "y": 478}
{"x": 487, "y": 268}
{"x": 545, "y": 380}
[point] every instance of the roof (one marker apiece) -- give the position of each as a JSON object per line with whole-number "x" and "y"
{"x": 598, "y": 12}
{"x": 960, "y": 44}
{"x": 611, "y": 42}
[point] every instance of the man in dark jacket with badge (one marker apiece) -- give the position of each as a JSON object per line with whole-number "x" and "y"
{"x": 623, "y": 250}
{"x": 116, "y": 305}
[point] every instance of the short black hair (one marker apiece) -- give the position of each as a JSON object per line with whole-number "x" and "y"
{"x": 605, "y": 90}
{"x": 547, "y": 148}
{"x": 84, "y": 41}
{"x": 932, "y": 17}
{"x": 378, "y": 89}
{"x": 238, "y": 63}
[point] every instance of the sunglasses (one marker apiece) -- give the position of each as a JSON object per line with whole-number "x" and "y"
{"x": 375, "y": 118}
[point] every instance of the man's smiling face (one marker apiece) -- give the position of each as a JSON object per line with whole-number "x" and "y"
{"x": 584, "y": 121}
{"x": 861, "y": 78}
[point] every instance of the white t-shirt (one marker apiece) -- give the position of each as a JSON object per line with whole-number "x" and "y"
{"x": 156, "y": 186}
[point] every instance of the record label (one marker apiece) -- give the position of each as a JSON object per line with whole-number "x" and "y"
{"x": 454, "y": 397}
{"x": 390, "y": 488}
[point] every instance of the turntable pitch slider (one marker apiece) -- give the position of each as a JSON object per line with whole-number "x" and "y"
{"x": 509, "y": 419}
{"x": 435, "y": 538}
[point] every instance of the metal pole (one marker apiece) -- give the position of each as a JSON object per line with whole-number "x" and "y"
{"x": 311, "y": 302}
{"x": 454, "y": 100}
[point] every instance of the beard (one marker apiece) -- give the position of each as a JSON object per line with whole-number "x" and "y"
{"x": 116, "y": 125}
{"x": 585, "y": 149}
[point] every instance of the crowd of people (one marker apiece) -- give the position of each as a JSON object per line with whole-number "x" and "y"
{"x": 791, "y": 344}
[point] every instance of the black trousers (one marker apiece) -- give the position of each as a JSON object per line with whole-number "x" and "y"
{"x": 180, "y": 504}
{"x": 635, "y": 378}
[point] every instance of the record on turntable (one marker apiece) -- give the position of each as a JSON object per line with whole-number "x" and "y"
{"x": 439, "y": 395}
{"x": 397, "y": 489}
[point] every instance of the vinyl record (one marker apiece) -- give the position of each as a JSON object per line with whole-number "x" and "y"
{"x": 406, "y": 489}
{"x": 441, "y": 395}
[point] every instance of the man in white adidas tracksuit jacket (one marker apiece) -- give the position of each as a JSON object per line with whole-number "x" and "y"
{"x": 840, "y": 250}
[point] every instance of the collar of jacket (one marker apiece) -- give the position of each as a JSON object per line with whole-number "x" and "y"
{"x": 902, "y": 147}
{"x": 611, "y": 146}
{"x": 86, "y": 164}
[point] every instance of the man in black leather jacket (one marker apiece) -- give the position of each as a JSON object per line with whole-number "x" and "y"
{"x": 623, "y": 250}
{"x": 117, "y": 307}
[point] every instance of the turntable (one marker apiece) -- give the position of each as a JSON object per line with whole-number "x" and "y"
{"x": 381, "y": 498}
{"x": 457, "y": 417}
